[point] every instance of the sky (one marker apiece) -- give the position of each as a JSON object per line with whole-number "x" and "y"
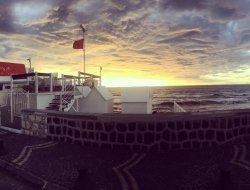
{"x": 136, "y": 42}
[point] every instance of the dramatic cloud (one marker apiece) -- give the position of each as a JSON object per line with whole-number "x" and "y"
{"x": 174, "y": 41}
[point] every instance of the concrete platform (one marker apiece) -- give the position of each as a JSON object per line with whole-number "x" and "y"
{"x": 55, "y": 165}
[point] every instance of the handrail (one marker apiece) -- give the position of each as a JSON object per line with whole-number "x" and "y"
{"x": 178, "y": 108}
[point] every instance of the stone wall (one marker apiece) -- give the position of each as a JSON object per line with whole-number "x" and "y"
{"x": 34, "y": 123}
{"x": 141, "y": 132}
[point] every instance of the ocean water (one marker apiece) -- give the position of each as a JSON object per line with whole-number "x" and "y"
{"x": 196, "y": 98}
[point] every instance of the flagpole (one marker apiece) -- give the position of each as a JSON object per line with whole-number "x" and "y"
{"x": 83, "y": 35}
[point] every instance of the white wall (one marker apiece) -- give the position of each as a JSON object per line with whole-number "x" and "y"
{"x": 3, "y": 98}
{"x": 43, "y": 100}
{"x": 40, "y": 101}
{"x": 135, "y": 107}
{"x": 94, "y": 103}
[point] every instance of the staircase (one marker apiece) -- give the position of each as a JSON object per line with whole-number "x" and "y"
{"x": 62, "y": 102}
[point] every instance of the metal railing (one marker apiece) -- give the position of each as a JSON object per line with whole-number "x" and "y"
{"x": 178, "y": 108}
{"x": 20, "y": 100}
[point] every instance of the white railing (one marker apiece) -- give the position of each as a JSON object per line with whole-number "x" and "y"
{"x": 178, "y": 108}
{"x": 20, "y": 101}
{"x": 68, "y": 94}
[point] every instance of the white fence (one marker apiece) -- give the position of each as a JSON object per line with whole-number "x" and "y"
{"x": 178, "y": 108}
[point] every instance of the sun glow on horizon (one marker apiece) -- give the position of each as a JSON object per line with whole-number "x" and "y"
{"x": 131, "y": 82}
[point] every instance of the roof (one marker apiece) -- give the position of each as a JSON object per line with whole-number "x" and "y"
{"x": 7, "y": 69}
{"x": 136, "y": 94}
{"x": 104, "y": 92}
{"x": 85, "y": 90}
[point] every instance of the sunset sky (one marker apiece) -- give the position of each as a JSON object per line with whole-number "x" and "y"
{"x": 137, "y": 42}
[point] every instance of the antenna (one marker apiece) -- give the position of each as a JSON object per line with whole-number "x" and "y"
{"x": 29, "y": 60}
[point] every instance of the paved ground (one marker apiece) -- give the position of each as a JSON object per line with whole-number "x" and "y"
{"x": 9, "y": 182}
{"x": 53, "y": 165}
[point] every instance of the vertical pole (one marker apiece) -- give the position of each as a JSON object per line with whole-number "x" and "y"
{"x": 83, "y": 35}
{"x": 51, "y": 83}
{"x": 36, "y": 83}
{"x": 100, "y": 75}
{"x": 11, "y": 100}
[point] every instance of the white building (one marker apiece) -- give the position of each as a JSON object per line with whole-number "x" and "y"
{"x": 136, "y": 100}
{"x": 97, "y": 100}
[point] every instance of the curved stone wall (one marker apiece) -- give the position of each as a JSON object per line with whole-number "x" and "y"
{"x": 140, "y": 132}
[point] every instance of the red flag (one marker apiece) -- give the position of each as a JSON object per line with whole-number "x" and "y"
{"x": 78, "y": 44}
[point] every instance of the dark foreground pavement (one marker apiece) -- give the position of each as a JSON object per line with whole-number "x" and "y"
{"x": 54, "y": 165}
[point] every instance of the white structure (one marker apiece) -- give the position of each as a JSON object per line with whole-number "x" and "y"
{"x": 136, "y": 100}
{"x": 98, "y": 100}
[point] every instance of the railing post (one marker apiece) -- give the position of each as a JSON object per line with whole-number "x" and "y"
{"x": 51, "y": 83}
{"x": 28, "y": 99}
{"x": 11, "y": 100}
{"x": 36, "y": 83}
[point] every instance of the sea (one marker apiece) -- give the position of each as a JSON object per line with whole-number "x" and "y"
{"x": 195, "y": 98}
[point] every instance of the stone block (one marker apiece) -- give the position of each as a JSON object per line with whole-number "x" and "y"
{"x": 188, "y": 125}
{"x": 160, "y": 126}
{"x": 72, "y": 123}
{"x": 182, "y": 136}
{"x": 121, "y": 127}
{"x": 98, "y": 126}
{"x": 187, "y": 145}
{"x": 142, "y": 126}
{"x": 223, "y": 123}
{"x": 205, "y": 124}
{"x": 149, "y": 138}
{"x": 179, "y": 125}
{"x": 83, "y": 124}
{"x": 229, "y": 135}
{"x": 201, "y": 135}
{"x": 64, "y": 129}
{"x": 90, "y": 126}
{"x": 158, "y": 137}
{"x": 196, "y": 124}
{"x": 32, "y": 118}
{"x": 196, "y": 145}
{"x": 171, "y": 125}
{"x": 130, "y": 138}
{"x": 151, "y": 127}
{"x": 210, "y": 134}
{"x": 52, "y": 129}
{"x": 243, "y": 131}
{"x": 205, "y": 144}
{"x": 70, "y": 132}
{"x": 103, "y": 136}
{"x": 229, "y": 123}
{"x": 214, "y": 123}
{"x": 166, "y": 135}
{"x": 91, "y": 135}
{"x": 113, "y": 136}
{"x": 220, "y": 136}
{"x": 173, "y": 137}
{"x": 192, "y": 135}
{"x": 58, "y": 130}
{"x": 76, "y": 134}
{"x": 132, "y": 126}
{"x": 84, "y": 134}
{"x": 237, "y": 122}
{"x": 139, "y": 137}
{"x": 56, "y": 120}
{"x": 69, "y": 140}
{"x": 244, "y": 120}
{"x": 175, "y": 146}
{"x": 109, "y": 126}
{"x": 154, "y": 147}
{"x": 235, "y": 132}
